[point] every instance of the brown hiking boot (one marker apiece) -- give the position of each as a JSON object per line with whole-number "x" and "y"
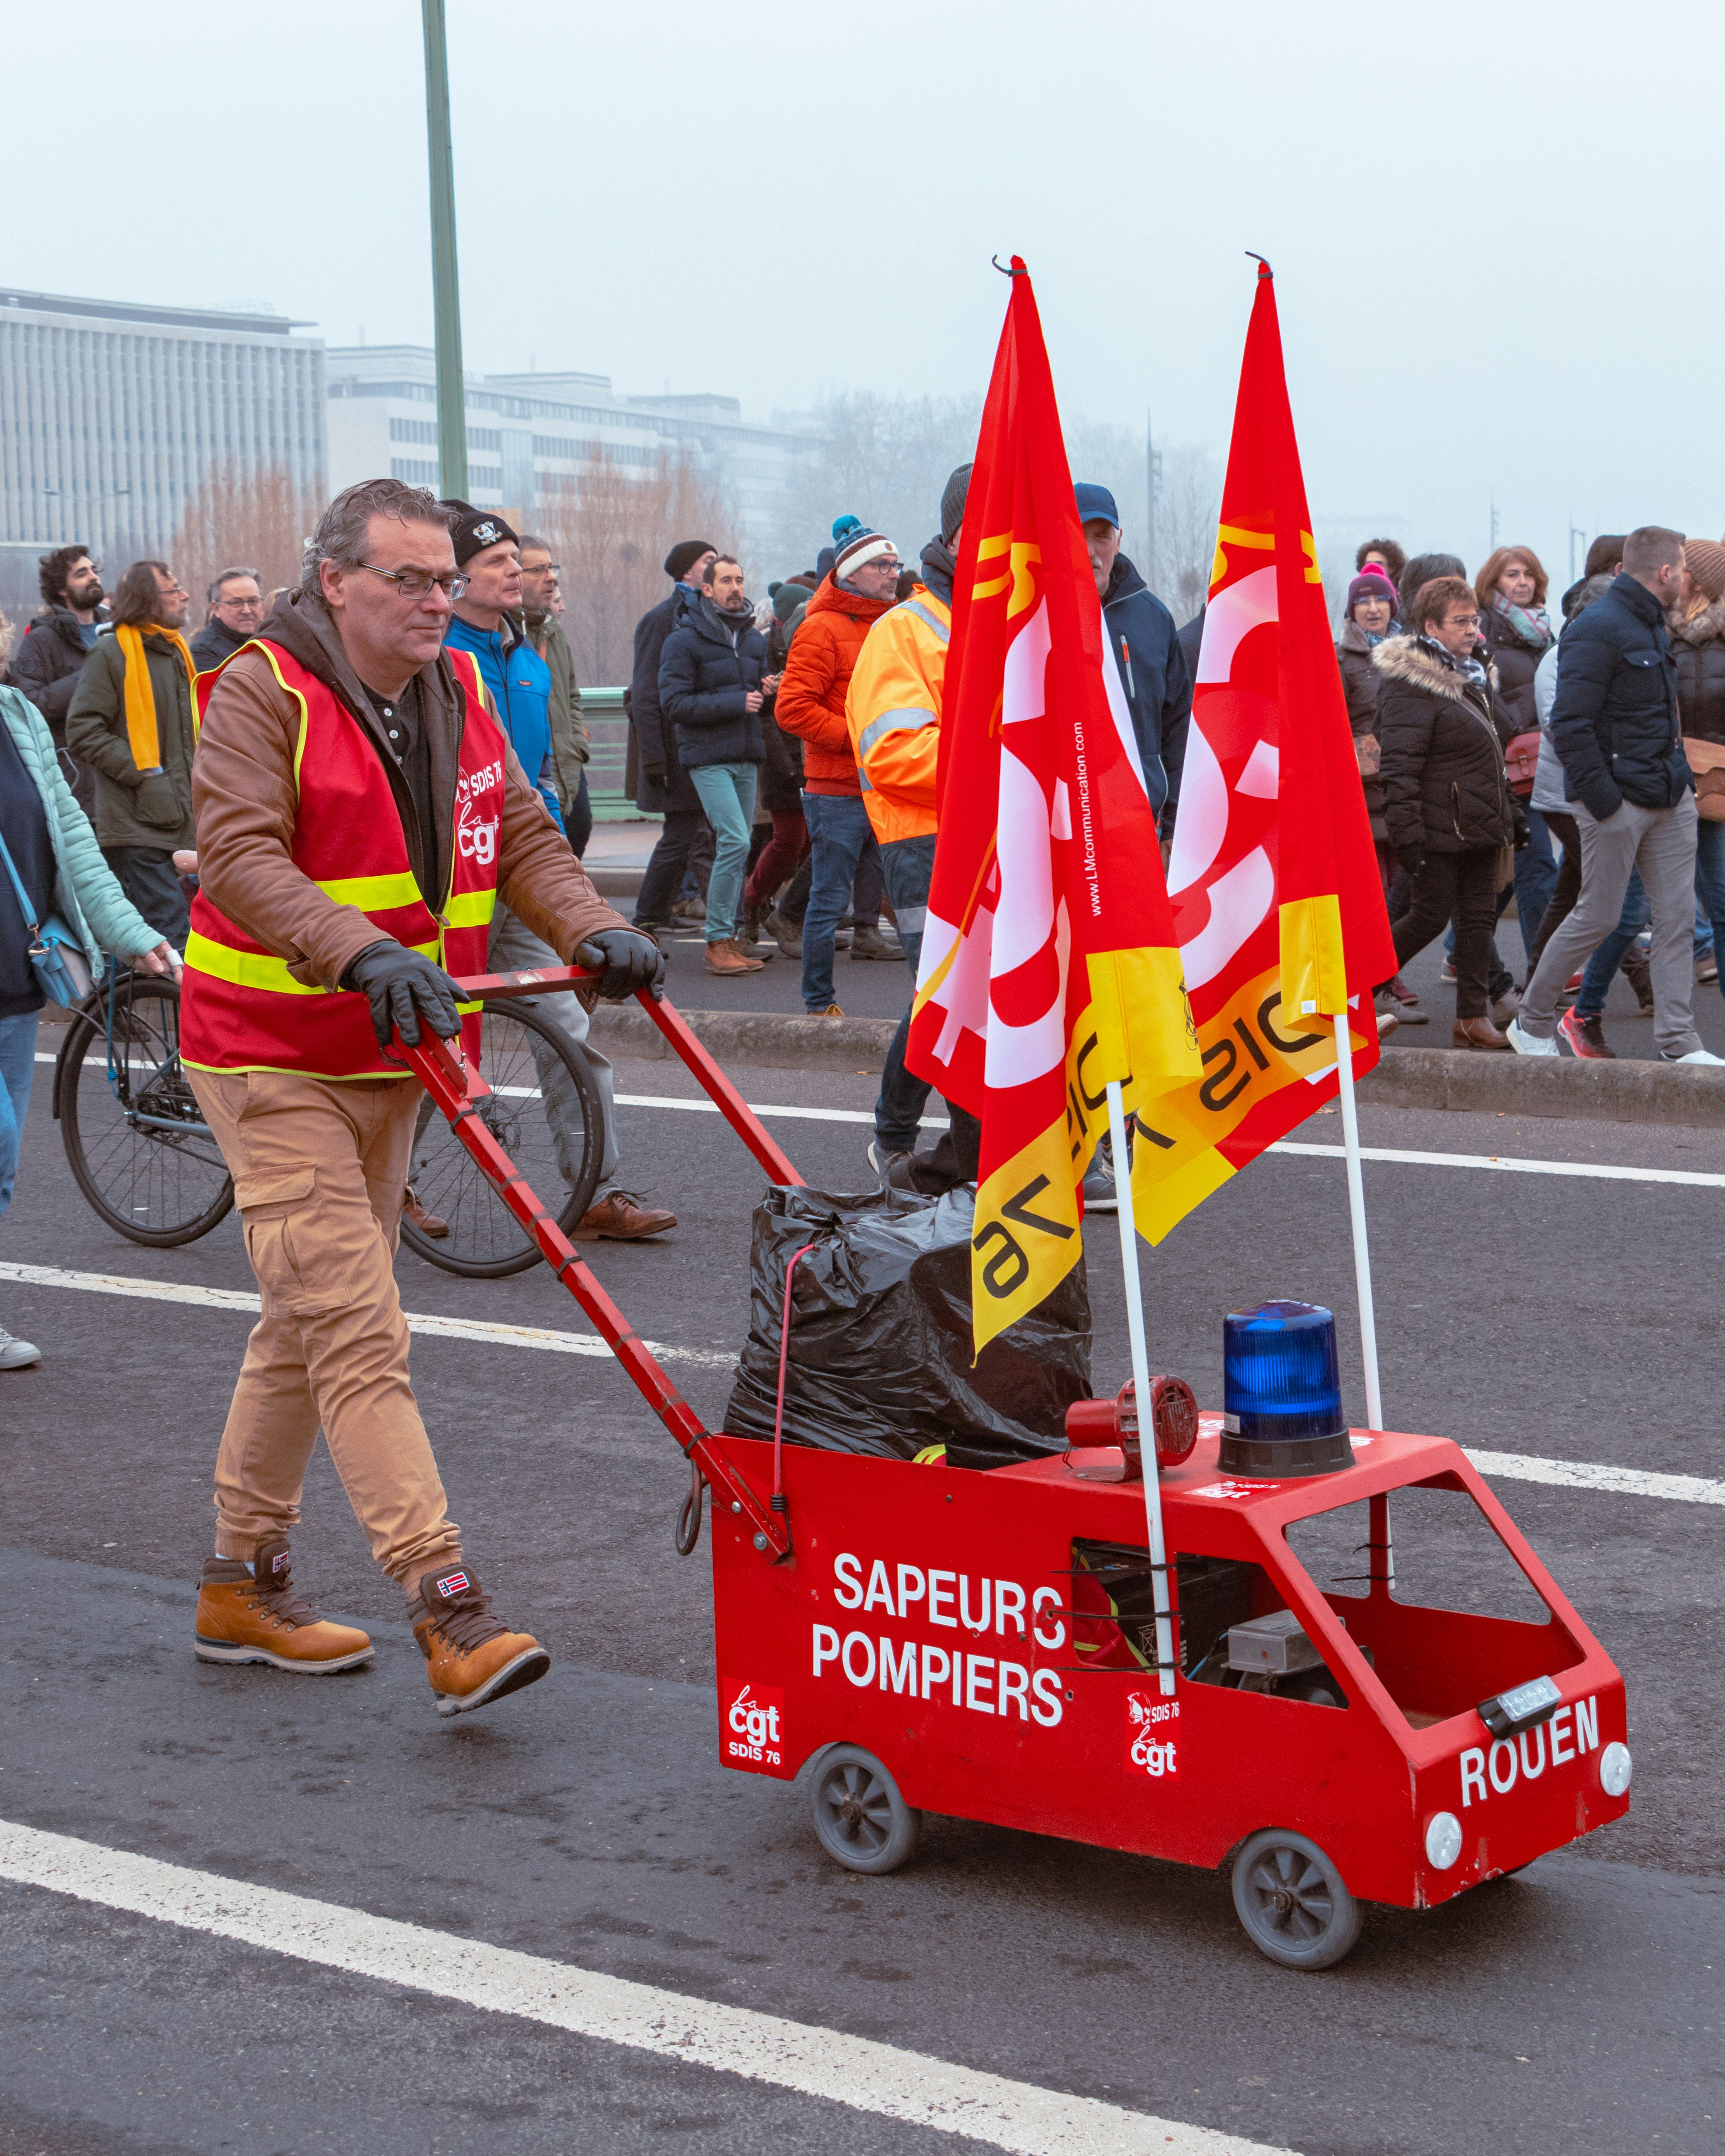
{"x": 725, "y": 956}
{"x": 251, "y": 1613}
{"x": 470, "y": 1657}
{"x": 428, "y": 1224}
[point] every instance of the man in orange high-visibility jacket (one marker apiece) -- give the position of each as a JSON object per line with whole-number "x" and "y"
{"x": 893, "y": 711}
{"x": 360, "y": 816}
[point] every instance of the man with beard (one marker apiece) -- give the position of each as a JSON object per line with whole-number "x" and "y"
{"x": 57, "y": 641}
{"x": 893, "y": 713}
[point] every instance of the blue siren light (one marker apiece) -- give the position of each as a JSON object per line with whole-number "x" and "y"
{"x": 1281, "y": 1393}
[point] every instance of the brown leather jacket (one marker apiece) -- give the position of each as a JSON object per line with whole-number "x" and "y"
{"x": 244, "y": 800}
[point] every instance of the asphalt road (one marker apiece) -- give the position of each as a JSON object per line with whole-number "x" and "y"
{"x": 1575, "y": 2008}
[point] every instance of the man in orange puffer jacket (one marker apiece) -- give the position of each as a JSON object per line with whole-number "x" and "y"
{"x": 861, "y": 588}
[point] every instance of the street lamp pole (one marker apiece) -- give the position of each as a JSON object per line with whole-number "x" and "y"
{"x": 446, "y": 296}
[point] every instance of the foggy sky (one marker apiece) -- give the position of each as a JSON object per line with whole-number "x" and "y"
{"x": 1491, "y": 226}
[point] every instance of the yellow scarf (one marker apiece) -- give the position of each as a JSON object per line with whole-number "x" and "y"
{"x": 140, "y": 728}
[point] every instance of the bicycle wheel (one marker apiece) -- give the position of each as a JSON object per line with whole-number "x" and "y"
{"x": 544, "y": 1110}
{"x": 135, "y": 1136}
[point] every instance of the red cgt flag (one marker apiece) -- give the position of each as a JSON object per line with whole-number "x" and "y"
{"x": 1273, "y": 878}
{"x": 1048, "y": 960}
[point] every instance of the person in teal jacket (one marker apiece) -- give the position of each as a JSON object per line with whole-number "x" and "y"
{"x": 54, "y": 852}
{"x": 487, "y": 622}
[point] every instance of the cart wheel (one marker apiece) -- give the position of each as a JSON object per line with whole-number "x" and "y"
{"x": 1292, "y": 1902}
{"x": 862, "y": 1822}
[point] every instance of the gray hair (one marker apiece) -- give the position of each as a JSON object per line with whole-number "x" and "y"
{"x": 340, "y": 533}
{"x": 227, "y": 577}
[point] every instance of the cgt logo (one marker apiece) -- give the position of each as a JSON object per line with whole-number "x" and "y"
{"x": 1150, "y": 1746}
{"x": 477, "y": 837}
{"x": 754, "y": 1725}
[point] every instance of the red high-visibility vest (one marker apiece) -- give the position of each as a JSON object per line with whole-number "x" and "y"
{"x": 240, "y": 1009}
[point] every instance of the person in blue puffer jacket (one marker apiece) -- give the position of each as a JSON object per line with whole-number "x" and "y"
{"x": 487, "y": 622}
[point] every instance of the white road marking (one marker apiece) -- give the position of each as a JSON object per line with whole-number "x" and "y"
{"x": 864, "y": 2075}
{"x": 1562, "y": 1474}
{"x": 435, "y": 1328}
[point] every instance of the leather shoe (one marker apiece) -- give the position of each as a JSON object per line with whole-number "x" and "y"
{"x": 1478, "y": 1033}
{"x": 429, "y": 1223}
{"x": 620, "y": 1216}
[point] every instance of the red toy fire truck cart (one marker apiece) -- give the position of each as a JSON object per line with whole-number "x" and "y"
{"x": 983, "y": 1645}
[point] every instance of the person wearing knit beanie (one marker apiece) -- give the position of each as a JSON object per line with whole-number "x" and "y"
{"x": 475, "y": 530}
{"x": 858, "y": 549}
{"x": 1371, "y": 584}
{"x": 683, "y": 557}
{"x": 952, "y": 498}
{"x": 1706, "y": 564}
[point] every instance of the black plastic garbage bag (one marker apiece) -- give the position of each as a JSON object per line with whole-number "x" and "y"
{"x": 880, "y": 1345}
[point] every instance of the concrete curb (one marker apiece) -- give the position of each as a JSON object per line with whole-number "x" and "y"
{"x": 1459, "y": 1080}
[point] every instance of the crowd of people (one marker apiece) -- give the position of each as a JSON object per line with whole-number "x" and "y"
{"x": 1578, "y": 770}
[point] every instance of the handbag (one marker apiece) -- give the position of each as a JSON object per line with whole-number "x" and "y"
{"x": 1707, "y": 760}
{"x": 62, "y": 970}
{"x": 1521, "y": 759}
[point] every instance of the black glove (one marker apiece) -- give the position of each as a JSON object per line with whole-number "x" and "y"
{"x": 399, "y": 985}
{"x": 1412, "y": 858}
{"x": 630, "y": 963}
{"x": 656, "y": 773}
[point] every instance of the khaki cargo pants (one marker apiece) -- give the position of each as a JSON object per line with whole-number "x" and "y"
{"x": 319, "y": 1170}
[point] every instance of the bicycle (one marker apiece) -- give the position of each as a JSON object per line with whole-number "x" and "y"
{"x": 544, "y": 1110}
{"x": 135, "y": 1137}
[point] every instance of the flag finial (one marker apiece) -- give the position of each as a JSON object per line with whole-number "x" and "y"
{"x": 1264, "y": 268}
{"x": 1017, "y": 270}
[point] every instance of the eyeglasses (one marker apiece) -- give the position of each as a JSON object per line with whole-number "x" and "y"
{"x": 543, "y": 569}
{"x": 414, "y": 583}
{"x": 1462, "y": 621}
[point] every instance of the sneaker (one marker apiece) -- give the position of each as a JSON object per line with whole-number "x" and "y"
{"x": 724, "y": 958}
{"x": 830, "y": 1010}
{"x": 689, "y": 909}
{"x": 1399, "y": 989}
{"x": 870, "y": 943}
{"x": 786, "y": 934}
{"x": 470, "y": 1658}
{"x": 1706, "y": 969}
{"x": 620, "y": 1216}
{"x": 1505, "y": 1006}
{"x": 1391, "y": 1013}
{"x": 1695, "y": 1055}
{"x": 250, "y": 1612}
{"x": 884, "y": 1160}
{"x": 1099, "y": 1194}
{"x": 1586, "y": 1036}
{"x": 1529, "y": 1044}
{"x": 1446, "y": 972}
{"x": 17, "y": 1354}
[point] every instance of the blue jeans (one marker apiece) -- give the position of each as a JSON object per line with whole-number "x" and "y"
{"x": 1536, "y": 879}
{"x": 1602, "y": 967}
{"x": 727, "y": 794}
{"x": 840, "y": 837}
{"x": 17, "y": 1067}
{"x": 1710, "y": 882}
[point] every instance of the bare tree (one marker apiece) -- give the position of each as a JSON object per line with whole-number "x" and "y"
{"x": 1188, "y": 503}
{"x": 611, "y": 531}
{"x": 244, "y": 517}
{"x": 883, "y": 458}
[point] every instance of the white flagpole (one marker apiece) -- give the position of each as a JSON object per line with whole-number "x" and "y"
{"x": 1141, "y": 1386}
{"x": 1356, "y": 1209}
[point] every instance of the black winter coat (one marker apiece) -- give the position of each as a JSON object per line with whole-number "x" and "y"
{"x": 782, "y": 774}
{"x": 1155, "y": 676}
{"x": 1698, "y": 649}
{"x": 1445, "y": 790}
{"x": 47, "y": 663}
{"x": 1614, "y": 721}
{"x": 651, "y": 738}
{"x": 711, "y": 662}
{"x": 1516, "y": 662}
{"x": 215, "y": 642}
{"x": 1360, "y": 682}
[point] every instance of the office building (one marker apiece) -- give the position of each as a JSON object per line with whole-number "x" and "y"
{"x": 531, "y": 436}
{"x": 110, "y": 414}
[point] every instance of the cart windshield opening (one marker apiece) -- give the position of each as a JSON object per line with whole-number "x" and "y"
{"x": 1425, "y": 1582}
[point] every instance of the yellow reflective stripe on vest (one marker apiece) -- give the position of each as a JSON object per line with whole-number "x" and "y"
{"x": 471, "y": 909}
{"x": 259, "y": 969}
{"x": 377, "y": 894}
